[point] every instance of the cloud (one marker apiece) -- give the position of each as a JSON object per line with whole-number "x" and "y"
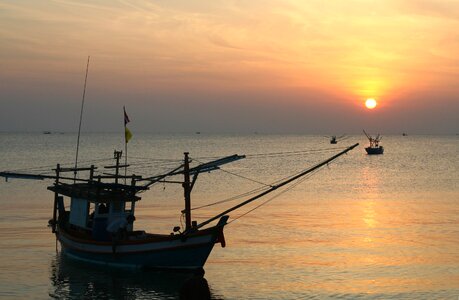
{"x": 344, "y": 51}
{"x": 445, "y": 9}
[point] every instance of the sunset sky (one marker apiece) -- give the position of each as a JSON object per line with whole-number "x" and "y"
{"x": 274, "y": 66}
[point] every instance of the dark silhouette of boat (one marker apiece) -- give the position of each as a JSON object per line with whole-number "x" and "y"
{"x": 93, "y": 216}
{"x": 374, "y": 147}
{"x": 334, "y": 139}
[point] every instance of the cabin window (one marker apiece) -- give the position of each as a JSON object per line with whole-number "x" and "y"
{"x": 79, "y": 212}
{"x": 91, "y": 211}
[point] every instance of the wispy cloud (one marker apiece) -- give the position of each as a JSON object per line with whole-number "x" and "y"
{"x": 350, "y": 49}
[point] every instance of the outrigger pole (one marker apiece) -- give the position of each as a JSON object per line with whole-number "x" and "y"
{"x": 202, "y": 168}
{"x": 43, "y": 177}
{"x": 275, "y": 187}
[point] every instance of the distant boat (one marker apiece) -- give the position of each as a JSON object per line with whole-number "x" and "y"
{"x": 404, "y": 134}
{"x": 46, "y": 132}
{"x": 374, "y": 147}
{"x": 198, "y": 132}
{"x": 334, "y": 139}
{"x": 93, "y": 216}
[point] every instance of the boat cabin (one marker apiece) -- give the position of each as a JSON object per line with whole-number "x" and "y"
{"x": 97, "y": 210}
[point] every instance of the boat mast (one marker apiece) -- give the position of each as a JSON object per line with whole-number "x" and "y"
{"x": 187, "y": 192}
{"x": 81, "y": 117}
{"x": 56, "y": 198}
{"x": 117, "y": 155}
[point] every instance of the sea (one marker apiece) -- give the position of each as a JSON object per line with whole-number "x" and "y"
{"x": 363, "y": 227}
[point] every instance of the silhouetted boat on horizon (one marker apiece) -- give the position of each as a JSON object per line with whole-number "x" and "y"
{"x": 374, "y": 147}
{"x": 334, "y": 139}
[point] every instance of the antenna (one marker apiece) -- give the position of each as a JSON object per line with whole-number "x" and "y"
{"x": 81, "y": 117}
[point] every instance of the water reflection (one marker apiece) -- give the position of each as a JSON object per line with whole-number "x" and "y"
{"x": 371, "y": 194}
{"x": 73, "y": 280}
{"x": 370, "y": 182}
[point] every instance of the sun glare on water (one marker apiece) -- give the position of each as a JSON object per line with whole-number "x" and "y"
{"x": 370, "y": 103}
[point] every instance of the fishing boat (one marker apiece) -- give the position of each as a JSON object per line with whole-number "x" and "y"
{"x": 374, "y": 147}
{"x": 93, "y": 216}
{"x": 334, "y": 139}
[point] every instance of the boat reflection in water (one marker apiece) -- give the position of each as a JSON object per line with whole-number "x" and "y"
{"x": 70, "y": 279}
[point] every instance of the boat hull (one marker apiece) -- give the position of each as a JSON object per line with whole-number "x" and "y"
{"x": 373, "y": 150}
{"x": 175, "y": 252}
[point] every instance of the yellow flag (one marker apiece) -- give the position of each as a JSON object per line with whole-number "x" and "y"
{"x": 127, "y": 134}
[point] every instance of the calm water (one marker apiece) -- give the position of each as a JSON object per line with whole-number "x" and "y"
{"x": 370, "y": 227}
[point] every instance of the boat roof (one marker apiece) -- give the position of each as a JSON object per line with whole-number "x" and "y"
{"x": 98, "y": 192}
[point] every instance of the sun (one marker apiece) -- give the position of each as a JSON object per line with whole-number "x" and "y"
{"x": 371, "y": 103}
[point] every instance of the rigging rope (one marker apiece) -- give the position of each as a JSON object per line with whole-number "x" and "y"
{"x": 261, "y": 189}
{"x": 144, "y": 162}
{"x": 291, "y": 153}
{"x": 275, "y": 196}
{"x": 283, "y": 153}
{"x": 47, "y": 167}
{"x": 238, "y": 175}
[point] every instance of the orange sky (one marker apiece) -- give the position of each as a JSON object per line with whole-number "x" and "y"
{"x": 277, "y": 57}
